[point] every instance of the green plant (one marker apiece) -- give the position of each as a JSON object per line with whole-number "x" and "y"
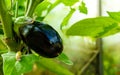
{"x": 10, "y": 27}
{"x": 17, "y": 62}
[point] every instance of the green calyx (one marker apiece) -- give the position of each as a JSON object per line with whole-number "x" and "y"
{"x": 21, "y": 21}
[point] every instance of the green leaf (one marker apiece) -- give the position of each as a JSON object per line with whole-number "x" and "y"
{"x": 13, "y": 67}
{"x": 115, "y": 15}
{"x": 69, "y": 2}
{"x": 41, "y": 7}
{"x": 8, "y": 63}
{"x": 94, "y": 27}
{"x": 53, "y": 67}
{"x": 83, "y": 8}
{"x": 67, "y": 18}
{"x": 26, "y": 63}
{"x": 62, "y": 57}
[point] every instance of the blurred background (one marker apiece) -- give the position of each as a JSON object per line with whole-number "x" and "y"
{"x": 87, "y": 59}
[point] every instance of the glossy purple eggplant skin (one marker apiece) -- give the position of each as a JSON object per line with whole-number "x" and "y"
{"x": 42, "y": 38}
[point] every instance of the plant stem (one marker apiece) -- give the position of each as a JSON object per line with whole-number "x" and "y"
{"x": 32, "y": 5}
{"x": 88, "y": 63}
{"x": 26, "y": 7}
{"x": 6, "y": 19}
{"x": 16, "y": 9}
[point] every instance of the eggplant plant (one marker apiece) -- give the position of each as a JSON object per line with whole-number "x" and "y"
{"x": 26, "y": 40}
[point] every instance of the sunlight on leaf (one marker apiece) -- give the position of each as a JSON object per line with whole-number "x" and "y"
{"x": 94, "y": 27}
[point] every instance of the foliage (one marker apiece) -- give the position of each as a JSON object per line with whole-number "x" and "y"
{"x": 94, "y": 27}
{"x": 83, "y": 8}
{"x": 12, "y": 67}
{"x": 38, "y": 9}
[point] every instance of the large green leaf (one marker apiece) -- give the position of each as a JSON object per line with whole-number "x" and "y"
{"x": 69, "y": 2}
{"x": 13, "y": 67}
{"x": 52, "y": 66}
{"x": 94, "y": 27}
{"x": 115, "y": 15}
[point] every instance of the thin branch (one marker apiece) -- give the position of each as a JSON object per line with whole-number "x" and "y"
{"x": 88, "y": 63}
{"x": 31, "y": 7}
